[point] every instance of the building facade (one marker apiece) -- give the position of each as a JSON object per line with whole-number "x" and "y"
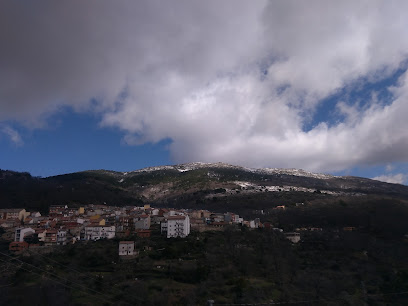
{"x": 126, "y": 248}
{"x": 96, "y": 232}
{"x": 21, "y": 232}
{"x": 176, "y": 226}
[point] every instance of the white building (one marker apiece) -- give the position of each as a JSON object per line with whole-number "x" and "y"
{"x": 21, "y": 232}
{"x": 176, "y": 226}
{"x": 36, "y": 214}
{"x": 62, "y": 237}
{"x": 96, "y": 232}
{"x": 126, "y": 248}
{"x": 254, "y": 223}
{"x": 231, "y": 217}
{"x": 293, "y": 237}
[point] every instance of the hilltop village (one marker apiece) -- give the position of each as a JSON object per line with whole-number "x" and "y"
{"x": 64, "y": 225}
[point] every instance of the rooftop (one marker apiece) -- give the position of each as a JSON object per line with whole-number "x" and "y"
{"x": 176, "y": 218}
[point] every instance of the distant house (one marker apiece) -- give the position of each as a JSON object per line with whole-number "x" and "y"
{"x": 255, "y": 223}
{"x": 142, "y": 222}
{"x": 217, "y": 217}
{"x": 214, "y": 226}
{"x": 80, "y": 220}
{"x": 62, "y": 237}
{"x": 50, "y": 237}
{"x": 316, "y": 229}
{"x": 28, "y": 220}
{"x": 13, "y": 213}
{"x": 21, "y": 232}
{"x": 97, "y": 220}
{"x": 40, "y": 234}
{"x": 36, "y": 214}
{"x": 17, "y": 246}
{"x": 163, "y": 212}
{"x": 10, "y": 223}
{"x": 176, "y": 226}
{"x": 200, "y": 214}
{"x": 146, "y": 206}
{"x": 126, "y": 248}
{"x": 96, "y": 232}
{"x": 57, "y": 209}
{"x": 70, "y": 212}
{"x": 143, "y": 233}
{"x": 125, "y": 223}
{"x": 231, "y": 217}
{"x": 293, "y": 237}
{"x": 73, "y": 232}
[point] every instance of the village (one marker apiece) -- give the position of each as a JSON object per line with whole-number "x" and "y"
{"x": 67, "y": 225}
{"x": 138, "y": 254}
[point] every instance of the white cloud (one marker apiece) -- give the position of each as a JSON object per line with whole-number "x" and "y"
{"x": 193, "y": 72}
{"x": 392, "y": 178}
{"x": 389, "y": 168}
{"x": 13, "y": 135}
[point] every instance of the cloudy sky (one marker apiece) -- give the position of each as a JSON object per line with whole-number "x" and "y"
{"x": 121, "y": 85}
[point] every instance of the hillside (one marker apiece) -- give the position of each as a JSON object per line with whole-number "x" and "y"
{"x": 353, "y": 247}
{"x": 216, "y": 186}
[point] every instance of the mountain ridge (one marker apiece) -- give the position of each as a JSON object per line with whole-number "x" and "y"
{"x": 199, "y": 165}
{"x": 218, "y": 185}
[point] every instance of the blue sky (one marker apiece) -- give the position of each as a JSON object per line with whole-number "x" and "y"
{"x": 283, "y": 84}
{"x": 74, "y": 142}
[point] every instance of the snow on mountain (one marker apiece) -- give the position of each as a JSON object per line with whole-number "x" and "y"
{"x": 200, "y": 165}
{"x": 295, "y": 172}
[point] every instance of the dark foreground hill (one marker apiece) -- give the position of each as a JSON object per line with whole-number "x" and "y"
{"x": 196, "y": 185}
{"x": 233, "y": 267}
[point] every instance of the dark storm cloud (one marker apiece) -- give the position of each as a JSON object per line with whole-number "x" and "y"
{"x": 222, "y": 79}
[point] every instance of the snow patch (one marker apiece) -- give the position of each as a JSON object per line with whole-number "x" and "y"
{"x": 267, "y": 171}
{"x": 244, "y": 184}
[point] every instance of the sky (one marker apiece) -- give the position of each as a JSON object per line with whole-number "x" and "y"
{"x": 122, "y": 85}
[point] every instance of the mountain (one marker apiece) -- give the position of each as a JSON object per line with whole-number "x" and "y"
{"x": 217, "y": 186}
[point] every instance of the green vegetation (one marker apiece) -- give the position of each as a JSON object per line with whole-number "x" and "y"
{"x": 334, "y": 266}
